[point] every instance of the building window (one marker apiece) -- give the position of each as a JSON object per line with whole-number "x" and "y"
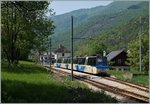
{"x": 45, "y": 58}
{"x": 119, "y": 61}
{"x": 62, "y": 54}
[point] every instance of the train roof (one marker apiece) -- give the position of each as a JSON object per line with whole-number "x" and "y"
{"x": 91, "y": 56}
{"x": 78, "y": 57}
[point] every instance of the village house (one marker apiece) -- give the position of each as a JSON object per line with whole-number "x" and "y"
{"x": 117, "y": 59}
{"x": 61, "y": 52}
{"x": 45, "y": 57}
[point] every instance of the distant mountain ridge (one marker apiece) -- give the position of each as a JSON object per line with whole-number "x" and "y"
{"x": 95, "y": 21}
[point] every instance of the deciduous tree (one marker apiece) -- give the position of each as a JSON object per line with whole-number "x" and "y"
{"x": 134, "y": 53}
{"x": 25, "y": 26}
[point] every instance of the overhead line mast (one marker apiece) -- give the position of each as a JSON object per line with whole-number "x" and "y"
{"x": 72, "y": 48}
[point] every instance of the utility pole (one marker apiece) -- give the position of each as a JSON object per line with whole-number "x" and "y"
{"x": 140, "y": 48}
{"x": 50, "y": 53}
{"x": 72, "y": 38}
{"x": 120, "y": 42}
{"x": 72, "y": 48}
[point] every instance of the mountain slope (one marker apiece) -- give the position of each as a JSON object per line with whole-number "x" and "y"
{"x": 95, "y": 21}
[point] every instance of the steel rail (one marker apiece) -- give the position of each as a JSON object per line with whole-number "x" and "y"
{"x": 137, "y": 86}
{"x": 110, "y": 88}
{"x": 127, "y": 83}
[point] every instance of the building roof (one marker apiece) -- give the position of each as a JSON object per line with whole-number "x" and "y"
{"x": 62, "y": 49}
{"x": 47, "y": 53}
{"x": 113, "y": 54}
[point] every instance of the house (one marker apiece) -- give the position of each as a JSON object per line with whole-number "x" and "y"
{"x": 61, "y": 52}
{"x": 118, "y": 58}
{"x": 45, "y": 57}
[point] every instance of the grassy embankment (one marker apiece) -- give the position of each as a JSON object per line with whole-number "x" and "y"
{"x": 138, "y": 79}
{"x": 29, "y": 83}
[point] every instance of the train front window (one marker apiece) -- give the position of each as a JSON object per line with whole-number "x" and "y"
{"x": 99, "y": 61}
{"x": 92, "y": 61}
{"x": 104, "y": 60}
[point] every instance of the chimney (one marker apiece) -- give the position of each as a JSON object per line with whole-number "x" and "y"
{"x": 60, "y": 45}
{"x": 104, "y": 53}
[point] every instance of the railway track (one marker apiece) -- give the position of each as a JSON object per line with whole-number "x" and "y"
{"x": 128, "y": 83}
{"x": 117, "y": 91}
{"x": 139, "y": 87}
{"x": 109, "y": 88}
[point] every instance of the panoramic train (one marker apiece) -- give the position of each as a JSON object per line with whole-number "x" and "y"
{"x": 90, "y": 64}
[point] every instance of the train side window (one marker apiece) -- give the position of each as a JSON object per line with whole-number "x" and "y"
{"x": 81, "y": 61}
{"x": 62, "y": 61}
{"x": 59, "y": 61}
{"x": 75, "y": 60}
{"x": 63, "y": 54}
{"x": 65, "y": 60}
{"x": 68, "y": 61}
{"x": 92, "y": 61}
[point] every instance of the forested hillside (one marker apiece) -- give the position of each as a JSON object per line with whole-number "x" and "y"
{"x": 111, "y": 26}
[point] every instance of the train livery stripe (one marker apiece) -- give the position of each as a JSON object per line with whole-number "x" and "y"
{"x": 82, "y": 68}
{"x": 58, "y": 65}
{"x": 66, "y": 66}
{"x": 77, "y": 67}
{"x": 101, "y": 67}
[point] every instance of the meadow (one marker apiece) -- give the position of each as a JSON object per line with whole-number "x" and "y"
{"x": 137, "y": 78}
{"x": 31, "y": 83}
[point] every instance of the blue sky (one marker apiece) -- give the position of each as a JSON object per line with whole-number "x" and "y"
{"x": 61, "y": 7}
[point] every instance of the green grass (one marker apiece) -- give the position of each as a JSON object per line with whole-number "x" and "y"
{"x": 143, "y": 80}
{"x": 30, "y": 83}
{"x": 136, "y": 71}
{"x": 118, "y": 74}
{"x": 138, "y": 79}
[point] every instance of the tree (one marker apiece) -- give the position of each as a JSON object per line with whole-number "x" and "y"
{"x": 43, "y": 30}
{"x": 91, "y": 47}
{"x": 98, "y": 47}
{"x": 24, "y": 26}
{"x": 84, "y": 50}
{"x": 134, "y": 53}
